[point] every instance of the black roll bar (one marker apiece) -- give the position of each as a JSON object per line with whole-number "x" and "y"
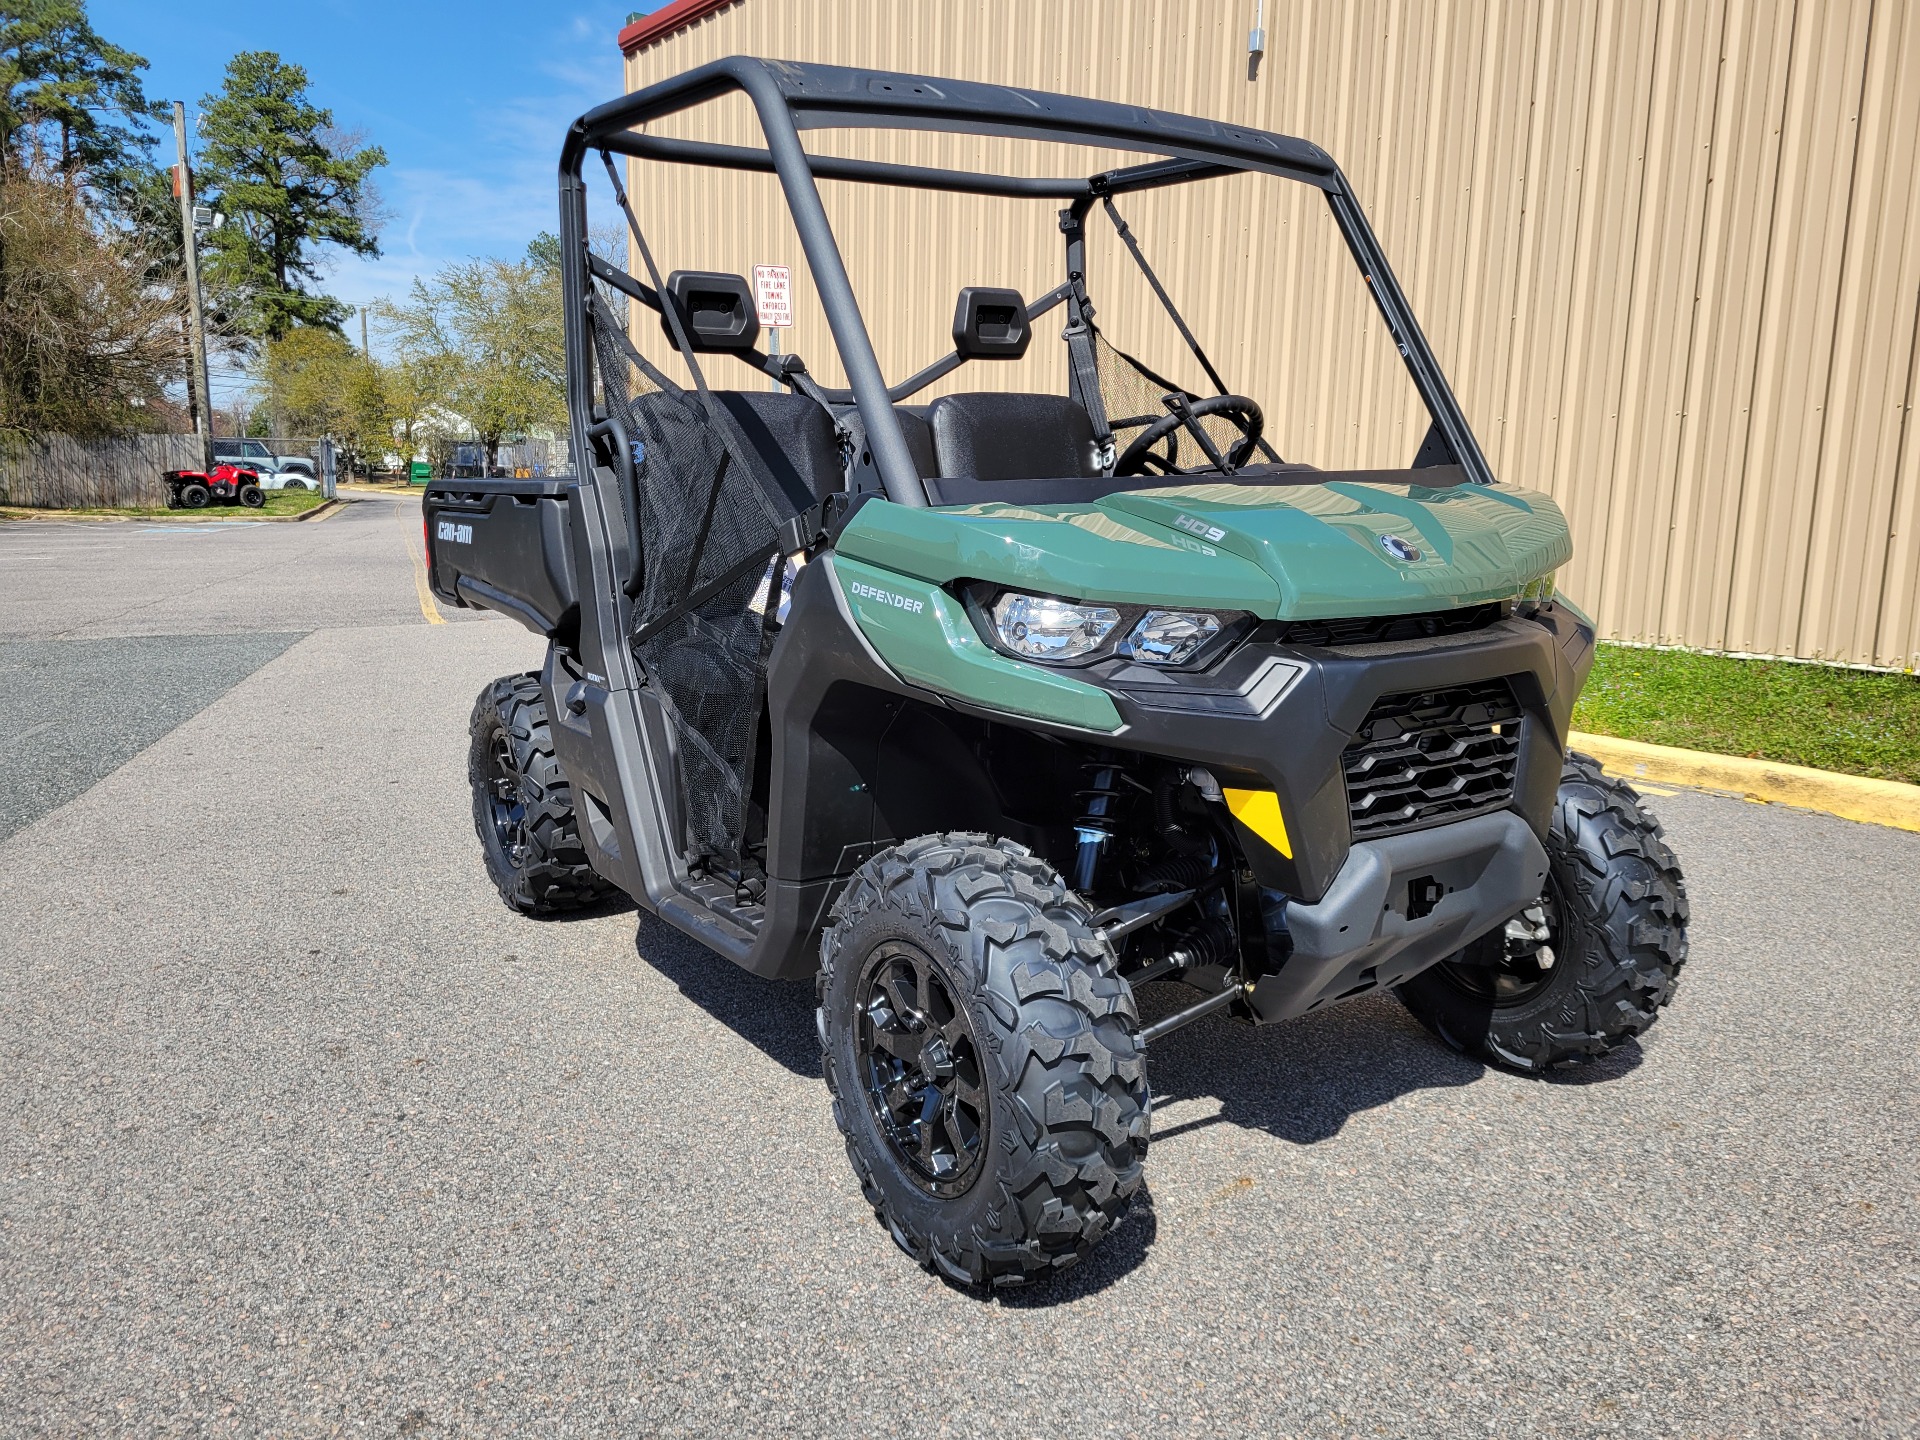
{"x": 789, "y": 97}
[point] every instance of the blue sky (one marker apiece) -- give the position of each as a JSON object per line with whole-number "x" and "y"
{"x": 469, "y": 101}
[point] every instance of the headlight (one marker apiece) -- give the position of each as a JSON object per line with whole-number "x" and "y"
{"x": 1170, "y": 637}
{"x": 1042, "y": 629}
{"x": 1535, "y": 594}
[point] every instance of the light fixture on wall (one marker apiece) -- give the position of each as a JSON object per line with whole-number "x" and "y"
{"x": 1257, "y": 39}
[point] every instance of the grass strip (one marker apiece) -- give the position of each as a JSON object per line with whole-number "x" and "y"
{"x": 1853, "y": 721}
{"x": 280, "y": 504}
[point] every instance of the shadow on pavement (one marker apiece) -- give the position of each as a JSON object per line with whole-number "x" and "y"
{"x": 612, "y": 905}
{"x": 774, "y": 1015}
{"x": 1299, "y": 1082}
{"x": 1302, "y": 1080}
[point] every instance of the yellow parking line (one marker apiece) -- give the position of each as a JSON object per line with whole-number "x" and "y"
{"x": 427, "y": 607}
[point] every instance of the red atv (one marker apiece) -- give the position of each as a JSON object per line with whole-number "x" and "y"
{"x": 223, "y": 485}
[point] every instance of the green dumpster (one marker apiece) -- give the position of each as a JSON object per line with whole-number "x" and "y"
{"x": 419, "y": 472}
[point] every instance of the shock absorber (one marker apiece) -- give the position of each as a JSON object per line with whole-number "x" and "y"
{"x": 1094, "y": 828}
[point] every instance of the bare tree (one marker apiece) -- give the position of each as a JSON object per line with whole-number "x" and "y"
{"x": 86, "y": 343}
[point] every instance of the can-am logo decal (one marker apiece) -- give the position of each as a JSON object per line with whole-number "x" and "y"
{"x": 1199, "y": 527}
{"x": 885, "y": 597}
{"x": 458, "y": 534}
{"x": 1399, "y": 549}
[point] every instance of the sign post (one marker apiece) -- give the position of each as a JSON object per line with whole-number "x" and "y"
{"x": 773, "y": 304}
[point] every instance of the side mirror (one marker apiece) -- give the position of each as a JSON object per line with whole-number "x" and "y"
{"x": 716, "y": 308}
{"x": 990, "y": 324}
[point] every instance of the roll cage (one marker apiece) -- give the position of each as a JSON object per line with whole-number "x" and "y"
{"x": 789, "y": 97}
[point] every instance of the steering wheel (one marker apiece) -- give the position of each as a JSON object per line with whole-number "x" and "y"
{"x": 1241, "y": 412}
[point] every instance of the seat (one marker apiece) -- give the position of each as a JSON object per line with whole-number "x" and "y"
{"x": 993, "y": 435}
{"x": 794, "y": 436}
{"x": 918, "y": 433}
{"x": 791, "y": 435}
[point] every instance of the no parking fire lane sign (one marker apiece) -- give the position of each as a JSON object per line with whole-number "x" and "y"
{"x": 773, "y": 295}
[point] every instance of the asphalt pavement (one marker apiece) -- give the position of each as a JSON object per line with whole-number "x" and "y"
{"x": 302, "y": 1133}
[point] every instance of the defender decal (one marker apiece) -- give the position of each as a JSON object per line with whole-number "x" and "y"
{"x": 885, "y": 597}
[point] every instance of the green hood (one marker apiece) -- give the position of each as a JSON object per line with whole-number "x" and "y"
{"x": 1290, "y": 552}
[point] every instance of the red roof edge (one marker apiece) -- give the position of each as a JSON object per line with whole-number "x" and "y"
{"x": 665, "y": 21}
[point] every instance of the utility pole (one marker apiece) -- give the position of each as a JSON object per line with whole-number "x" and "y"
{"x": 197, "y": 325}
{"x": 364, "y": 352}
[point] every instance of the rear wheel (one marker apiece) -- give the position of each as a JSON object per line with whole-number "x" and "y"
{"x": 523, "y": 805}
{"x": 293, "y": 485}
{"x": 1589, "y": 965}
{"x": 195, "y": 497}
{"x": 980, "y": 1052}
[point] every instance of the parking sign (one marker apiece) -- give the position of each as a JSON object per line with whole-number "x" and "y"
{"x": 773, "y": 295}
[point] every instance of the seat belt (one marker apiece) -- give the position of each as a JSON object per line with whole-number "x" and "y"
{"x": 1081, "y": 358}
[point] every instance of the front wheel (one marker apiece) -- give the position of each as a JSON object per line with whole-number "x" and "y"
{"x": 980, "y": 1052}
{"x": 1590, "y": 964}
{"x": 252, "y": 496}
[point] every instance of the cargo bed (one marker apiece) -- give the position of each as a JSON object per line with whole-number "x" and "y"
{"x": 504, "y": 545}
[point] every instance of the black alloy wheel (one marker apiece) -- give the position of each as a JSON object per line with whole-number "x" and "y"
{"x": 1512, "y": 966}
{"x": 506, "y": 811}
{"x": 920, "y": 1063}
{"x": 979, "y": 1046}
{"x": 252, "y": 496}
{"x": 195, "y": 497}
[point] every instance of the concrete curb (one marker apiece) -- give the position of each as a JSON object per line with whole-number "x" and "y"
{"x": 320, "y": 511}
{"x": 1852, "y": 797}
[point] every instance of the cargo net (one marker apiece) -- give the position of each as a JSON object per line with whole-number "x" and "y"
{"x": 708, "y": 524}
{"x": 1134, "y": 398}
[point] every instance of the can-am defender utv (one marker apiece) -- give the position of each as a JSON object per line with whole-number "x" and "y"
{"x": 992, "y": 711}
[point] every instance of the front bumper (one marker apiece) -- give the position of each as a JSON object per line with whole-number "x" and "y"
{"x": 1398, "y": 905}
{"x": 1279, "y": 718}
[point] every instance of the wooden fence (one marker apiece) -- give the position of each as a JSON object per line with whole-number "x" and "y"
{"x": 55, "y": 472}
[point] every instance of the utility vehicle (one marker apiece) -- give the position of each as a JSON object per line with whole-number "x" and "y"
{"x": 222, "y": 485}
{"x": 989, "y": 713}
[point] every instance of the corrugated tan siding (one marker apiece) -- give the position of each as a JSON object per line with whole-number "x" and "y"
{"x": 1667, "y": 250}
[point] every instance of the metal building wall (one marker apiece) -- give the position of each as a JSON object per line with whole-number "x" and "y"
{"x": 1668, "y": 251}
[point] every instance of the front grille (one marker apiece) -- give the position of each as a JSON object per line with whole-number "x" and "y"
{"x": 1377, "y": 629}
{"x": 1438, "y": 755}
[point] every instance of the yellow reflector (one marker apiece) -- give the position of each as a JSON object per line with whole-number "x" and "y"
{"x": 1259, "y": 811}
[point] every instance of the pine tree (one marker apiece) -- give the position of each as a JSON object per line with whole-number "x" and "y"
{"x": 289, "y": 183}
{"x": 71, "y": 103}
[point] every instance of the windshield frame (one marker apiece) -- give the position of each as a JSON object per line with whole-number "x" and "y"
{"x": 789, "y": 97}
